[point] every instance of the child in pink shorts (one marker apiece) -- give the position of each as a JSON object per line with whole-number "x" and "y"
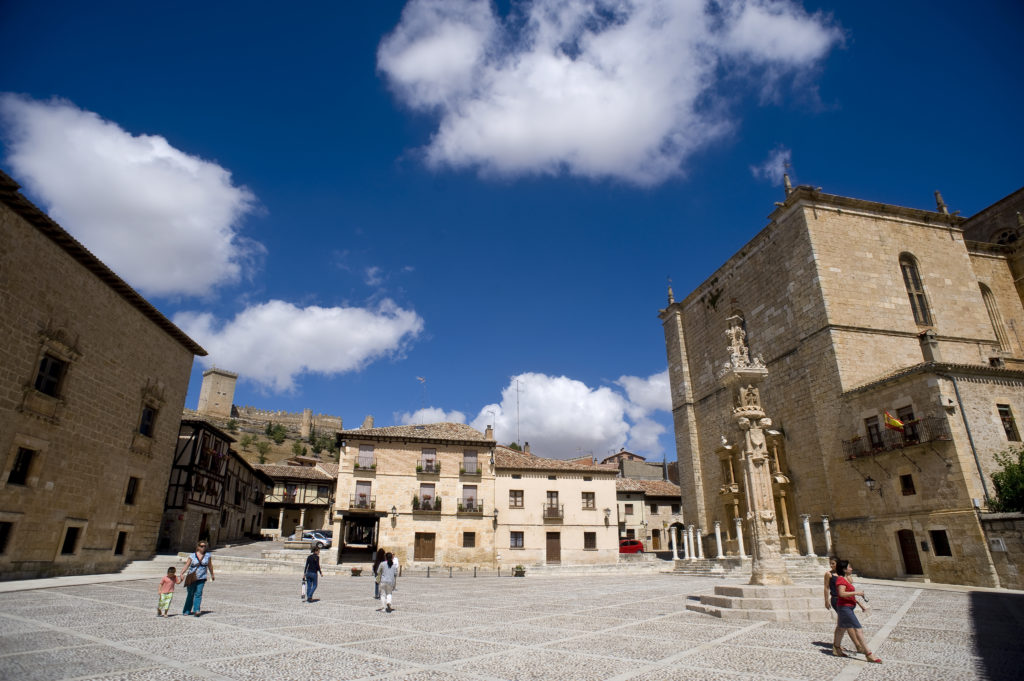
{"x": 166, "y": 592}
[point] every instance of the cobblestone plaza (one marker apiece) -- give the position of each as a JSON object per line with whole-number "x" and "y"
{"x": 629, "y": 626}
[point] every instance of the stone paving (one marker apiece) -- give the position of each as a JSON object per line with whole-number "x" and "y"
{"x": 632, "y": 626}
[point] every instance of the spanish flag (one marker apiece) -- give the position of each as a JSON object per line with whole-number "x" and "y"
{"x": 893, "y": 423}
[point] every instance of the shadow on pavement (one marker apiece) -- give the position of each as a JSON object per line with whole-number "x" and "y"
{"x": 998, "y": 641}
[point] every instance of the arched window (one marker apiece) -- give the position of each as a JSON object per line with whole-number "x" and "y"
{"x": 915, "y": 290}
{"x": 995, "y": 317}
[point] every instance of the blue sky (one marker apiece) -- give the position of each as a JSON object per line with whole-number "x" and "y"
{"x": 410, "y": 209}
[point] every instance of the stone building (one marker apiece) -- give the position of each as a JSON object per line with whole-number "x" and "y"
{"x": 551, "y": 511}
{"x": 92, "y": 382}
{"x": 649, "y": 510}
{"x": 867, "y": 315}
{"x": 302, "y": 495}
{"x": 213, "y": 493}
{"x": 424, "y": 492}
{"x": 217, "y": 393}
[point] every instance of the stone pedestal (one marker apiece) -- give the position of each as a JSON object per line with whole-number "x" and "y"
{"x": 791, "y": 603}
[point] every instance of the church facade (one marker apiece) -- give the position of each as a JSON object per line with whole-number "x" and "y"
{"x": 894, "y": 343}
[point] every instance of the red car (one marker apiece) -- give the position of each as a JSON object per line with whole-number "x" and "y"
{"x": 631, "y": 546}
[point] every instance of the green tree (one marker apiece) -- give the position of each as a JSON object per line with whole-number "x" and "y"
{"x": 276, "y": 432}
{"x": 246, "y": 442}
{"x": 297, "y": 448}
{"x": 1009, "y": 482}
{"x": 232, "y": 426}
{"x": 515, "y": 446}
{"x": 263, "y": 447}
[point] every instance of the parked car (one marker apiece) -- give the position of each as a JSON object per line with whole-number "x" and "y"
{"x": 317, "y": 539}
{"x": 631, "y": 546}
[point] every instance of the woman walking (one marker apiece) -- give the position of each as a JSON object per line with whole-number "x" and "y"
{"x": 377, "y": 560}
{"x": 848, "y": 623}
{"x": 198, "y": 565}
{"x": 388, "y": 571}
{"x": 312, "y": 570}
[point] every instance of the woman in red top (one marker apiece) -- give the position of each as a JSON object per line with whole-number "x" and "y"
{"x": 846, "y": 601}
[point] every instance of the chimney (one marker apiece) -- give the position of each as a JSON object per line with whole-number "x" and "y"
{"x": 368, "y": 422}
{"x": 929, "y": 346}
{"x": 526, "y": 447}
{"x": 489, "y": 433}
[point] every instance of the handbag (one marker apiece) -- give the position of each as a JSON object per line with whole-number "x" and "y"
{"x": 377, "y": 578}
{"x": 191, "y": 578}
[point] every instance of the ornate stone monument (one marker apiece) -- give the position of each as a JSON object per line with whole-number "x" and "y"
{"x": 770, "y": 594}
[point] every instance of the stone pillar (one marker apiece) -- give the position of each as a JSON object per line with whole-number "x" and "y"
{"x": 700, "y": 543}
{"x": 693, "y": 547}
{"x": 806, "y": 519}
{"x": 280, "y": 522}
{"x": 785, "y": 517}
{"x": 672, "y": 537}
{"x": 718, "y": 539}
{"x": 686, "y": 544}
{"x": 302, "y": 521}
{"x": 739, "y": 537}
{"x": 828, "y": 535}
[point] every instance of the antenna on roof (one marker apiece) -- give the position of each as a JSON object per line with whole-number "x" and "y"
{"x": 423, "y": 397}
{"x": 517, "y": 411}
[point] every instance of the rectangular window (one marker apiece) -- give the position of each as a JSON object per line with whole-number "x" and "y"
{"x": 1009, "y": 425}
{"x": 469, "y": 462}
{"x": 587, "y": 478}
{"x": 940, "y": 543}
{"x": 553, "y": 499}
{"x": 589, "y": 500}
{"x": 654, "y": 508}
{"x": 427, "y": 494}
{"x": 323, "y": 491}
{"x": 907, "y": 485}
{"x": 906, "y": 417}
{"x": 429, "y": 461}
{"x": 469, "y": 497}
{"x": 148, "y": 421}
{"x": 468, "y": 540}
{"x": 629, "y": 509}
{"x": 517, "y": 476}
{"x": 131, "y": 491}
{"x": 675, "y": 509}
{"x": 51, "y": 372}
{"x": 22, "y": 465}
{"x": 122, "y": 538}
{"x": 70, "y": 541}
{"x": 5, "y": 535}
{"x": 515, "y": 498}
{"x": 515, "y": 540}
{"x": 631, "y": 534}
{"x": 552, "y": 477}
{"x": 874, "y": 432}
{"x": 590, "y": 541}
{"x": 363, "y": 489}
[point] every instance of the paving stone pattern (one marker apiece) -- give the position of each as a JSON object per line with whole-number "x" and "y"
{"x": 463, "y": 629}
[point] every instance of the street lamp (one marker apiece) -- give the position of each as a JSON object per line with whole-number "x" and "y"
{"x": 870, "y": 482}
{"x": 394, "y": 512}
{"x": 495, "y": 515}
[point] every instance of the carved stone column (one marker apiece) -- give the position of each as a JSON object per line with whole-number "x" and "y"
{"x": 693, "y": 547}
{"x": 743, "y": 376}
{"x": 806, "y": 519}
{"x": 828, "y": 535}
{"x": 672, "y": 537}
{"x": 686, "y": 544}
{"x": 700, "y": 543}
{"x": 280, "y": 522}
{"x": 718, "y": 539}
{"x": 739, "y": 537}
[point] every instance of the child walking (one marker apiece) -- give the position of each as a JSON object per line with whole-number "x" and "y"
{"x": 166, "y": 592}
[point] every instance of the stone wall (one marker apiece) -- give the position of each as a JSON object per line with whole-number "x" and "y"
{"x": 85, "y": 441}
{"x": 1005, "y": 534}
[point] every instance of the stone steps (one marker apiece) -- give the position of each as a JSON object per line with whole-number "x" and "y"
{"x": 801, "y": 568}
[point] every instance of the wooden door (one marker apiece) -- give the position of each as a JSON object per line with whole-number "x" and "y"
{"x": 908, "y": 547}
{"x": 554, "y": 545}
{"x": 656, "y": 540}
{"x": 423, "y": 549}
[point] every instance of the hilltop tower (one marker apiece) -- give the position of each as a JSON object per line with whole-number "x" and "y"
{"x": 217, "y": 393}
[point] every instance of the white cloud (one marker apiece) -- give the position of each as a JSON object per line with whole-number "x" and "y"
{"x": 430, "y": 415}
{"x": 593, "y": 88}
{"x": 774, "y": 166}
{"x": 374, "y": 277}
{"x": 165, "y": 221}
{"x": 274, "y": 342}
{"x": 647, "y": 394}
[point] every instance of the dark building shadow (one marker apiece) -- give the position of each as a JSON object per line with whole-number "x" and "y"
{"x": 998, "y": 621}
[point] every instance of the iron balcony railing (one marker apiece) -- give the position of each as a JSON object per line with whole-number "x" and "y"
{"x": 427, "y": 505}
{"x": 470, "y": 506}
{"x": 554, "y": 511}
{"x": 428, "y": 467}
{"x": 469, "y": 469}
{"x": 362, "y": 501}
{"x": 929, "y": 429}
{"x": 365, "y": 463}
